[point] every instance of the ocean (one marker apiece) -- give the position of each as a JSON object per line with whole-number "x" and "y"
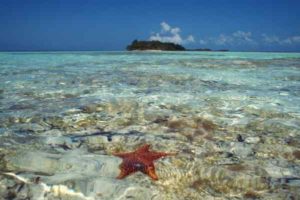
{"x": 232, "y": 118}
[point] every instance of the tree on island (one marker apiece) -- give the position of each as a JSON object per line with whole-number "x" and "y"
{"x": 163, "y": 46}
{"x": 154, "y": 45}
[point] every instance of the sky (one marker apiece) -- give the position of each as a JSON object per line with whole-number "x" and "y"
{"x": 238, "y": 25}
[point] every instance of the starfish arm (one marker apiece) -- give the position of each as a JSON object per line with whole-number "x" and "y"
{"x": 144, "y": 148}
{"x": 122, "y": 155}
{"x": 123, "y": 173}
{"x": 150, "y": 171}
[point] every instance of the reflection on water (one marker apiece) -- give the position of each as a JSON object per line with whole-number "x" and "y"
{"x": 233, "y": 118}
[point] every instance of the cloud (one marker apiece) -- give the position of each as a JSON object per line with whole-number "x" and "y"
{"x": 165, "y": 27}
{"x": 276, "y": 40}
{"x": 190, "y": 38}
{"x": 171, "y": 34}
{"x": 243, "y": 36}
{"x": 270, "y": 39}
{"x": 236, "y": 38}
{"x": 291, "y": 40}
{"x": 203, "y": 42}
{"x": 175, "y": 30}
{"x": 222, "y": 39}
{"x": 173, "y": 38}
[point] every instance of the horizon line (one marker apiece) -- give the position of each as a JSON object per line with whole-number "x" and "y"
{"x": 267, "y": 51}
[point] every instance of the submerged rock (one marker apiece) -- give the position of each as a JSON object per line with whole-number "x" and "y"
{"x": 91, "y": 108}
{"x": 56, "y": 122}
{"x": 66, "y": 164}
{"x": 94, "y": 176}
{"x": 252, "y": 140}
{"x": 21, "y": 188}
{"x": 18, "y": 107}
{"x": 106, "y": 189}
{"x": 239, "y": 138}
{"x": 242, "y": 150}
{"x": 30, "y": 127}
{"x": 296, "y": 154}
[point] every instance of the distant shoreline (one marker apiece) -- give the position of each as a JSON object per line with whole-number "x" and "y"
{"x": 156, "y": 45}
{"x": 231, "y": 51}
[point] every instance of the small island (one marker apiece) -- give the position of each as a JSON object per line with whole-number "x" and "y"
{"x": 154, "y": 45}
{"x": 161, "y": 46}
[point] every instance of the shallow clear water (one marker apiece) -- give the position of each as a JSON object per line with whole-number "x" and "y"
{"x": 232, "y": 117}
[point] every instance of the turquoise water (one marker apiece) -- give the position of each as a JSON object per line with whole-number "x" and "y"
{"x": 233, "y": 118}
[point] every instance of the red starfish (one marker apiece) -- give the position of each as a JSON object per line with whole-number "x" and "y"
{"x": 139, "y": 160}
